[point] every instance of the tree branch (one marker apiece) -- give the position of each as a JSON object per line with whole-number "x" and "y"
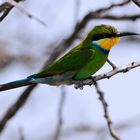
{"x": 111, "y": 64}
{"x": 116, "y": 17}
{"x": 106, "y": 112}
{"x": 137, "y": 2}
{"x": 100, "y": 131}
{"x": 5, "y": 8}
{"x": 25, "y": 12}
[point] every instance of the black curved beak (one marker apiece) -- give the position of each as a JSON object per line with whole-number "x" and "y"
{"x": 121, "y": 34}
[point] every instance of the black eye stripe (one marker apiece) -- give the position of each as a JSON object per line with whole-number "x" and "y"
{"x": 96, "y": 37}
{"x": 102, "y": 36}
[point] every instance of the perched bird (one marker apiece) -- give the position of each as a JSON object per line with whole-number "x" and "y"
{"x": 78, "y": 64}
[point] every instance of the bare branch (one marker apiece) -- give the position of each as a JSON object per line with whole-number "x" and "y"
{"x": 111, "y": 64}
{"x": 106, "y": 112}
{"x": 97, "y": 130}
{"x": 97, "y": 13}
{"x": 102, "y": 10}
{"x": 137, "y": 2}
{"x": 124, "y": 69}
{"x": 60, "y": 118}
{"x": 24, "y": 11}
{"x": 5, "y": 8}
{"x": 116, "y": 17}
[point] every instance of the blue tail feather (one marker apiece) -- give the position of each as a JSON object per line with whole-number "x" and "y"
{"x": 15, "y": 84}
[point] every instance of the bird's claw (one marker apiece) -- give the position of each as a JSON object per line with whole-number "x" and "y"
{"x": 93, "y": 80}
{"x": 79, "y": 85}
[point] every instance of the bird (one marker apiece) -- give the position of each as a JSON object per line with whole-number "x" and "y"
{"x": 79, "y": 63}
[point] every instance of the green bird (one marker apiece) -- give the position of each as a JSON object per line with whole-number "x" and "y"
{"x": 79, "y": 63}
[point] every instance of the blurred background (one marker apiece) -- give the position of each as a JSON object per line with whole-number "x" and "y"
{"x": 64, "y": 113}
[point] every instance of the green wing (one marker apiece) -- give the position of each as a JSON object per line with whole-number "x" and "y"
{"x": 71, "y": 62}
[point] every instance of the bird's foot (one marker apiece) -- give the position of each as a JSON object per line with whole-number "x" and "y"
{"x": 79, "y": 85}
{"x": 93, "y": 80}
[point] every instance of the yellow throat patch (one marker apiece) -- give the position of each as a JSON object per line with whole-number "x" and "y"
{"x": 108, "y": 43}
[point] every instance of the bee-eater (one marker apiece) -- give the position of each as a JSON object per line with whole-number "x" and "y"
{"x": 78, "y": 64}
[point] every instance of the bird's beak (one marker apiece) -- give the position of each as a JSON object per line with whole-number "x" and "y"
{"x": 121, "y": 34}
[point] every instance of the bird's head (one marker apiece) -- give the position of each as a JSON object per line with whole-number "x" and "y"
{"x": 106, "y": 36}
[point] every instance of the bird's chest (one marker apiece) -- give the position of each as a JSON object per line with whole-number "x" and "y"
{"x": 97, "y": 62}
{"x": 93, "y": 66}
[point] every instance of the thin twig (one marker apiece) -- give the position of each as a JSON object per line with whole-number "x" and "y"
{"x": 5, "y": 8}
{"x": 123, "y": 69}
{"x": 112, "y": 64}
{"x": 97, "y": 130}
{"x": 116, "y": 17}
{"x": 99, "y": 12}
{"x": 24, "y": 11}
{"x": 102, "y": 10}
{"x": 60, "y": 115}
{"x": 112, "y": 131}
{"x": 137, "y": 2}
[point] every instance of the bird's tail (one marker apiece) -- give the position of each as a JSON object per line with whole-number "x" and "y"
{"x": 16, "y": 84}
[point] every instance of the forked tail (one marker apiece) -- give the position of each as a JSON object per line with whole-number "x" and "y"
{"x": 15, "y": 84}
